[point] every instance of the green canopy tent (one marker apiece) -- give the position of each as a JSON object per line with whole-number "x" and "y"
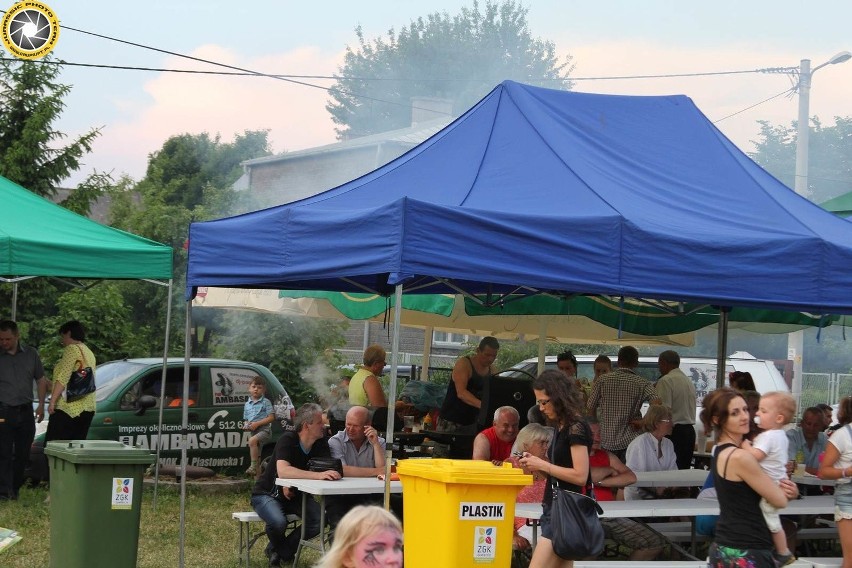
{"x": 41, "y": 239}
{"x": 840, "y": 205}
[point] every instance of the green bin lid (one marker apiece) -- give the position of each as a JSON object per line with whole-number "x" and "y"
{"x": 98, "y": 451}
{"x": 469, "y": 472}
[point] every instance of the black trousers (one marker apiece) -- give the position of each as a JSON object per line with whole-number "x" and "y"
{"x": 63, "y": 427}
{"x": 683, "y": 438}
{"x": 17, "y": 431}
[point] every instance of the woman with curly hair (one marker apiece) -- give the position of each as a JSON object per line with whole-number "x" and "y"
{"x": 742, "y": 537}
{"x": 366, "y": 537}
{"x": 562, "y": 405}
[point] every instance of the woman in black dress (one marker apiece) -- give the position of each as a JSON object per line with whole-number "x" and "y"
{"x": 742, "y": 538}
{"x": 561, "y": 403}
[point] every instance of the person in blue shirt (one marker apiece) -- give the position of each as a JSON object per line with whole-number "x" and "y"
{"x": 258, "y": 416}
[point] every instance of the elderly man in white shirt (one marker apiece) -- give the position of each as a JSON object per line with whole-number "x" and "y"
{"x": 362, "y": 452}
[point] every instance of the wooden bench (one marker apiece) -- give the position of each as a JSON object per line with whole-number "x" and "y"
{"x": 817, "y": 562}
{"x": 634, "y": 563}
{"x": 246, "y": 538}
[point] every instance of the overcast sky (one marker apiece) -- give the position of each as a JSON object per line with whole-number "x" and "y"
{"x": 138, "y": 110}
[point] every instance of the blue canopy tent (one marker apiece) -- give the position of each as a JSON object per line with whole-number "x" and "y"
{"x": 542, "y": 191}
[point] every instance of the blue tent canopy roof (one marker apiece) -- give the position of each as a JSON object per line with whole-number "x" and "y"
{"x": 557, "y": 191}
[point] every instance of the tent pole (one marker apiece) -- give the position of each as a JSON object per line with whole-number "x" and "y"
{"x": 162, "y": 391}
{"x": 542, "y": 343}
{"x": 14, "y": 300}
{"x": 427, "y": 352}
{"x": 187, "y": 342}
{"x": 722, "y": 346}
{"x": 392, "y": 392}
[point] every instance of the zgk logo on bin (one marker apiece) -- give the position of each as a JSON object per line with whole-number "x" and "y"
{"x": 122, "y": 492}
{"x": 484, "y": 544}
{"x": 482, "y": 511}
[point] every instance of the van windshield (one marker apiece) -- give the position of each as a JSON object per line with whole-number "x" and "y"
{"x": 112, "y": 375}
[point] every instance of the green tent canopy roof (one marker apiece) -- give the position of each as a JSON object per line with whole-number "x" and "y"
{"x": 840, "y": 205}
{"x": 40, "y": 238}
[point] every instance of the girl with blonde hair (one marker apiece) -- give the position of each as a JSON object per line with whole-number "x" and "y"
{"x": 366, "y": 537}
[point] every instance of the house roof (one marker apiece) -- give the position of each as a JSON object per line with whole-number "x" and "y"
{"x": 411, "y": 136}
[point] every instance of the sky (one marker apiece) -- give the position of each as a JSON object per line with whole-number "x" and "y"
{"x": 139, "y": 110}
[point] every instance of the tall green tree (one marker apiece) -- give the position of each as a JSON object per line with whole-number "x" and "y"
{"x": 189, "y": 179}
{"x": 830, "y": 156}
{"x": 459, "y": 58}
{"x": 31, "y": 152}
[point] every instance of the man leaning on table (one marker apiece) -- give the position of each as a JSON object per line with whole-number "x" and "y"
{"x": 495, "y": 442}
{"x": 290, "y": 459}
{"x": 362, "y": 452}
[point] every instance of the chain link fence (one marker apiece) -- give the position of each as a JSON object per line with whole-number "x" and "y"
{"x": 826, "y": 388}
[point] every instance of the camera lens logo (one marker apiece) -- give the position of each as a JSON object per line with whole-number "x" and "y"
{"x": 30, "y": 29}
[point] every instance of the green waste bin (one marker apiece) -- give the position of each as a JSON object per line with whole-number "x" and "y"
{"x": 95, "y": 502}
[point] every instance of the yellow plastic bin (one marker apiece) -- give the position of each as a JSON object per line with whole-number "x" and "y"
{"x": 459, "y": 512}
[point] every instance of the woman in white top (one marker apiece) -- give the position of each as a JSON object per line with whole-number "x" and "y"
{"x": 837, "y": 464}
{"x": 651, "y": 451}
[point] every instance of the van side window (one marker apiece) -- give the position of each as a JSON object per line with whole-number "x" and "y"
{"x": 149, "y": 384}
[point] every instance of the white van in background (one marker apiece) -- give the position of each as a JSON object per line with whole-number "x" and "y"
{"x": 702, "y": 371}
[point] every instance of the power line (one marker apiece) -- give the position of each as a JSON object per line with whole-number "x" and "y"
{"x": 249, "y": 73}
{"x": 297, "y": 79}
{"x": 784, "y": 92}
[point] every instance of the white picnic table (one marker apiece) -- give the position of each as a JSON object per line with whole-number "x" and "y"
{"x": 321, "y": 488}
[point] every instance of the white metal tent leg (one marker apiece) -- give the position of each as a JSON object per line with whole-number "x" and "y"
{"x": 187, "y": 343}
{"x": 162, "y": 392}
{"x": 392, "y": 392}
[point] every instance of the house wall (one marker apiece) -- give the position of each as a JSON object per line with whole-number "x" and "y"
{"x": 286, "y": 180}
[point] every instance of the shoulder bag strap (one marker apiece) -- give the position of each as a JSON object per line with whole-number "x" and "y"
{"x": 82, "y": 356}
{"x": 588, "y": 489}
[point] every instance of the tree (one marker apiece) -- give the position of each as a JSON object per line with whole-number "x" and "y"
{"x": 30, "y": 155}
{"x": 830, "y": 156}
{"x": 31, "y": 100}
{"x": 287, "y": 346}
{"x": 189, "y": 179}
{"x": 460, "y": 58}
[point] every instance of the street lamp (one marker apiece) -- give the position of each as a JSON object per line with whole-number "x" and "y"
{"x": 796, "y": 340}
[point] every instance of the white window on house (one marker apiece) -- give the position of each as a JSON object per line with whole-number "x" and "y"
{"x": 447, "y": 339}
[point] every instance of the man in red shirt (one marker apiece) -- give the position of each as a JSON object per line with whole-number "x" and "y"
{"x": 495, "y": 443}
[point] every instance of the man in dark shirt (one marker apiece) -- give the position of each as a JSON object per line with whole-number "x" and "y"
{"x": 464, "y": 392}
{"x": 290, "y": 459}
{"x": 20, "y": 367}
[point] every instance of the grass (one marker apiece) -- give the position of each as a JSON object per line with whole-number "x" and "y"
{"x": 210, "y": 539}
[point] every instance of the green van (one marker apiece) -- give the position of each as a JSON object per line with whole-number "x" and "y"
{"x": 128, "y": 400}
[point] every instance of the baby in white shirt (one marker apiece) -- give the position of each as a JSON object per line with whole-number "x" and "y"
{"x": 776, "y": 410}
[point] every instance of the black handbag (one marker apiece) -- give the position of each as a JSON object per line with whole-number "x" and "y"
{"x": 574, "y": 521}
{"x": 81, "y": 382}
{"x": 325, "y": 464}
